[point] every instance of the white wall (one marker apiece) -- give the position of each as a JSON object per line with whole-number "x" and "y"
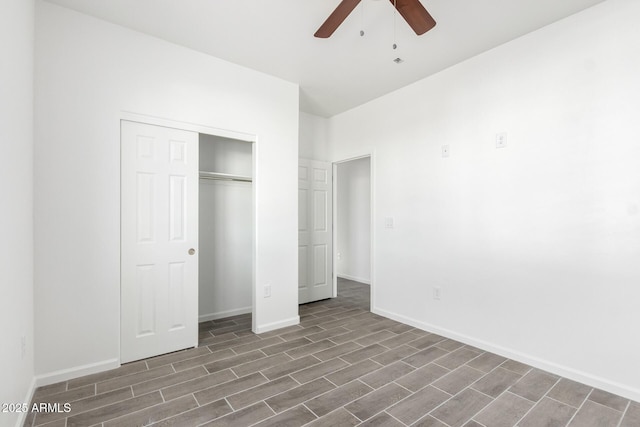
{"x": 313, "y": 137}
{"x": 16, "y": 215}
{"x": 225, "y": 231}
{"x": 354, "y": 220}
{"x": 87, "y": 73}
{"x": 536, "y": 245}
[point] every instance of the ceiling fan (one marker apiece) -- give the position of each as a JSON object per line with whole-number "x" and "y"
{"x": 411, "y": 10}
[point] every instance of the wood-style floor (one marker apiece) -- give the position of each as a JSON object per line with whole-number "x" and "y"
{"x": 342, "y": 366}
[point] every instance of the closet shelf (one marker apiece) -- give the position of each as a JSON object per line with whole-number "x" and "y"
{"x": 224, "y": 176}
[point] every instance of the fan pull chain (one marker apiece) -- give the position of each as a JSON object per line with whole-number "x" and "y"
{"x": 362, "y": 19}
{"x": 395, "y": 12}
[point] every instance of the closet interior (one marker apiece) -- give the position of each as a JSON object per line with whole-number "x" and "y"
{"x": 225, "y": 227}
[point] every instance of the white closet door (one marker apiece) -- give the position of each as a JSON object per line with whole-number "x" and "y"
{"x": 159, "y": 236}
{"x": 315, "y": 216}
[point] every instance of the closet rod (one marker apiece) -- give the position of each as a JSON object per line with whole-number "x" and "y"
{"x": 224, "y": 176}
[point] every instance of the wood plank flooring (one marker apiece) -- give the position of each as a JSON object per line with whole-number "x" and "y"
{"x": 342, "y": 366}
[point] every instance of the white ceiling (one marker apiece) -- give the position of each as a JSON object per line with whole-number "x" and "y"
{"x": 346, "y": 70}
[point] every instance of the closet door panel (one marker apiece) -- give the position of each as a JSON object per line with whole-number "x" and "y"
{"x": 320, "y": 211}
{"x": 177, "y": 207}
{"x": 159, "y": 226}
{"x": 303, "y": 269}
{"x": 146, "y": 315}
{"x": 302, "y": 210}
{"x": 319, "y": 263}
{"x": 315, "y": 231}
{"x": 176, "y": 312}
{"x": 145, "y": 209}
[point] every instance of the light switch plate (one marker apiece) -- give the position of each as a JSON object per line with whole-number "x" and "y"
{"x": 501, "y": 140}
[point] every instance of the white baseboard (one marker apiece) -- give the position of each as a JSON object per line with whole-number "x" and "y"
{"x": 223, "y": 314}
{"x": 260, "y": 329}
{"x": 79, "y": 371}
{"x": 354, "y": 278}
{"x": 545, "y": 365}
{"x": 22, "y": 416}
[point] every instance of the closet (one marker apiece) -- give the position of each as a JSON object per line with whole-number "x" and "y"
{"x": 225, "y": 227}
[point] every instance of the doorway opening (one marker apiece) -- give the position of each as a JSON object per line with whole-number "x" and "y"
{"x": 353, "y": 226}
{"x": 225, "y": 232}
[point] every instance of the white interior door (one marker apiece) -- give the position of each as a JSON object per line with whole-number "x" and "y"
{"x": 315, "y": 216}
{"x": 159, "y": 236}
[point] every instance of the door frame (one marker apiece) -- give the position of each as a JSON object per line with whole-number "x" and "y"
{"x": 372, "y": 185}
{"x": 209, "y": 130}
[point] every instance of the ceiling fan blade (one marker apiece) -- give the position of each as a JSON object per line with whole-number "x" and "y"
{"x": 415, "y": 14}
{"x": 336, "y": 18}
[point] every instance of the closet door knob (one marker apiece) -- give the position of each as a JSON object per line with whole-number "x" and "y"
{"x": 192, "y": 251}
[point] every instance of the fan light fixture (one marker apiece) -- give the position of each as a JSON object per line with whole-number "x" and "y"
{"x": 411, "y": 10}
